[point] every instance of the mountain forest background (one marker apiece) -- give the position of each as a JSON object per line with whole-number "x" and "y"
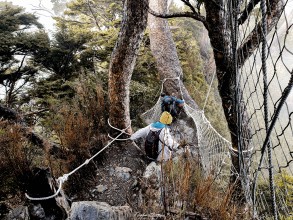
{"x": 56, "y": 90}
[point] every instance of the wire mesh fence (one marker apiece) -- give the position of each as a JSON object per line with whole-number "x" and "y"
{"x": 264, "y": 81}
{"x": 259, "y": 39}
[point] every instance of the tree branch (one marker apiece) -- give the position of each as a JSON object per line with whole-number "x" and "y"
{"x": 250, "y": 6}
{"x": 92, "y": 13}
{"x": 37, "y": 112}
{"x": 187, "y": 14}
{"x": 187, "y": 3}
{"x": 254, "y": 38}
{"x": 17, "y": 74}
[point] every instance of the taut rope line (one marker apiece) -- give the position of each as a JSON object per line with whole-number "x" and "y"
{"x": 64, "y": 178}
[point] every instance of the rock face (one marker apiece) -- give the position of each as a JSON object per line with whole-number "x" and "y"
{"x": 87, "y": 210}
{"x": 184, "y": 130}
{"x": 123, "y": 172}
{"x": 19, "y": 213}
{"x": 37, "y": 211}
{"x": 150, "y": 193}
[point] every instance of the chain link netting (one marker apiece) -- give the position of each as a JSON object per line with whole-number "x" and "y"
{"x": 262, "y": 51}
{"x": 265, "y": 81}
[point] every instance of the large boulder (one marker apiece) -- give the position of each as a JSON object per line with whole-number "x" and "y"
{"x": 86, "y": 210}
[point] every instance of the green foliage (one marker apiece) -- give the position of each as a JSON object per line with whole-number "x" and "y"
{"x": 14, "y": 38}
{"x": 145, "y": 83}
{"x": 83, "y": 44}
{"x": 17, "y": 39}
{"x": 79, "y": 128}
{"x": 284, "y": 184}
{"x": 49, "y": 91}
{"x": 62, "y": 58}
{"x": 284, "y": 195}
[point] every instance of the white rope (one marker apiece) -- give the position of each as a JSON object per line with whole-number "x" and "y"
{"x": 48, "y": 197}
{"x": 64, "y": 178}
{"x": 208, "y": 94}
{"x": 171, "y": 78}
{"x": 121, "y": 139}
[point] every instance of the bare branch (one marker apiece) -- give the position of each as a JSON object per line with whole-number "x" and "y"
{"x": 187, "y": 3}
{"x": 186, "y": 14}
{"x": 254, "y": 38}
{"x": 92, "y": 13}
{"x": 250, "y": 6}
{"x": 16, "y": 75}
{"x": 76, "y": 22}
{"x": 36, "y": 112}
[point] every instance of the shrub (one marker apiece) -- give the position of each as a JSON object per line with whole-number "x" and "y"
{"x": 191, "y": 191}
{"x": 284, "y": 196}
{"x": 17, "y": 157}
{"x": 284, "y": 186}
{"x": 79, "y": 127}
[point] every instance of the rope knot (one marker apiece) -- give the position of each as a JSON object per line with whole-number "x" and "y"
{"x": 63, "y": 178}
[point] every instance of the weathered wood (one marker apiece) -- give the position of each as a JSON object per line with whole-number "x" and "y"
{"x": 61, "y": 199}
{"x": 41, "y": 184}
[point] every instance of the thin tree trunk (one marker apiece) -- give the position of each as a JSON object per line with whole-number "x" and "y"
{"x": 164, "y": 51}
{"x": 123, "y": 60}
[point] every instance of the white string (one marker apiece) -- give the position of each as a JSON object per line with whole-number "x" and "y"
{"x": 208, "y": 94}
{"x": 64, "y": 178}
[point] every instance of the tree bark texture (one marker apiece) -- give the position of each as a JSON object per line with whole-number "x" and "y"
{"x": 123, "y": 60}
{"x": 221, "y": 41}
{"x": 164, "y": 51}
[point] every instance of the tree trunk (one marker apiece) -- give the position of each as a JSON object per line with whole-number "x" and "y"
{"x": 218, "y": 25}
{"x": 123, "y": 60}
{"x": 164, "y": 51}
{"x": 221, "y": 41}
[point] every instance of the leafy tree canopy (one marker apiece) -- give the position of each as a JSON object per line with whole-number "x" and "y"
{"x": 21, "y": 39}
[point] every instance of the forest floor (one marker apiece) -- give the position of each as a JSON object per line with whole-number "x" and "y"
{"x": 117, "y": 177}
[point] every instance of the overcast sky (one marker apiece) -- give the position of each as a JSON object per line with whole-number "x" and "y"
{"x": 41, "y": 8}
